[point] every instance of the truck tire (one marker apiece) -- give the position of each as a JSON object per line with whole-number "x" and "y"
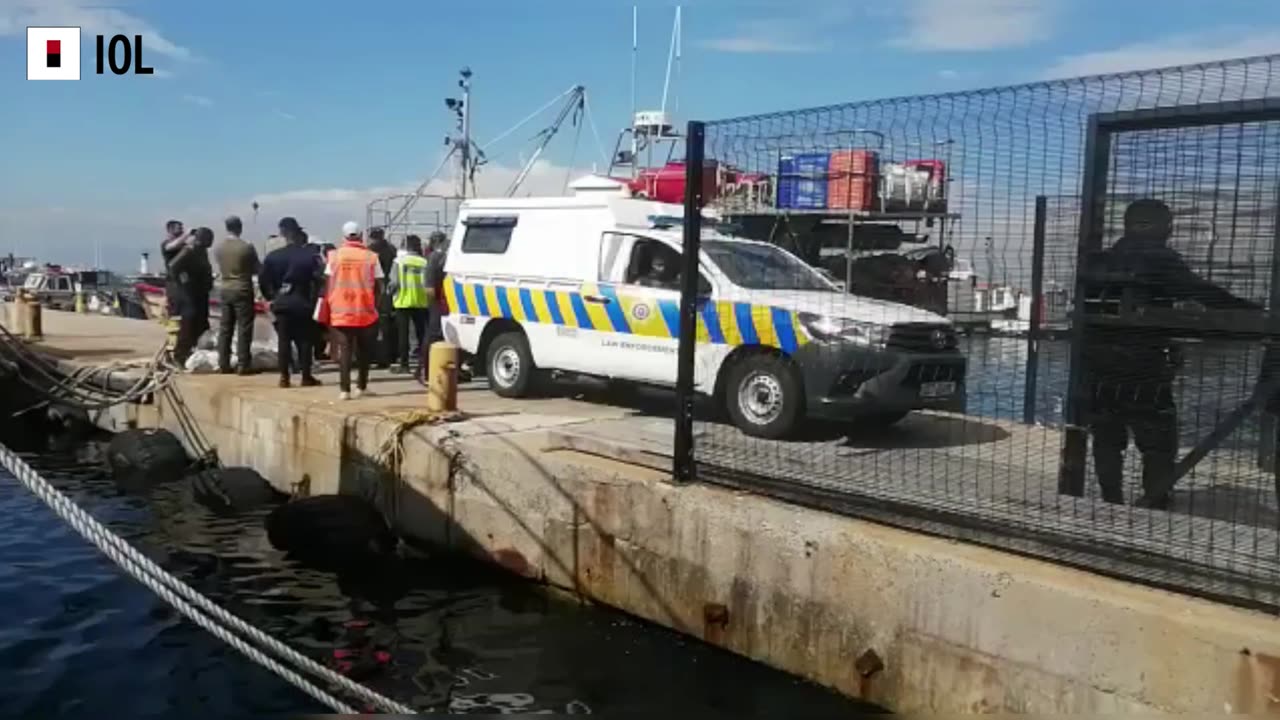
{"x": 509, "y": 365}
{"x": 764, "y": 396}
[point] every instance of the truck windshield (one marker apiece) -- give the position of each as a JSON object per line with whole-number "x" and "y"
{"x": 763, "y": 267}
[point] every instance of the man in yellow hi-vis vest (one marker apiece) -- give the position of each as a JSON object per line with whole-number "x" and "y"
{"x": 411, "y": 298}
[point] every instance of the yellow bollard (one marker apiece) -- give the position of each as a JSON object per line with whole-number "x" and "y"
{"x": 442, "y": 377}
{"x": 171, "y": 326}
{"x": 17, "y": 316}
{"x": 34, "y": 327}
{"x": 80, "y": 306}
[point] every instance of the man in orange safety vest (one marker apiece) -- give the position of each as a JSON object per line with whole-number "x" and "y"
{"x": 354, "y": 282}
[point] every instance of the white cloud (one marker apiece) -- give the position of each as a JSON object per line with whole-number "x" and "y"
{"x": 1223, "y": 44}
{"x": 200, "y": 100}
{"x": 283, "y": 115}
{"x": 68, "y": 234}
{"x": 755, "y": 44}
{"x": 966, "y": 25}
{"x": 810, "y": 33}
{"x": 95, "y": 18}
{"x": 948, "y": 74}
{"x": 323, "y": 210}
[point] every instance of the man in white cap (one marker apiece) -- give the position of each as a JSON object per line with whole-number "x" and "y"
{"x": 354, "y": 285}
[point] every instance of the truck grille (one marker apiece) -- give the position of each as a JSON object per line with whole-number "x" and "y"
{"x": 923, "y": 337}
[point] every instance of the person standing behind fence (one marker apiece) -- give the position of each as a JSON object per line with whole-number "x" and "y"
{"x": 237, "y": 265}
{"x": 411, "y": 298}
{"x": 385, "y": 342}
{"x": 1130, "y": 371}
{"x": 354, "y": 285}
{"x": 290, "y": 280}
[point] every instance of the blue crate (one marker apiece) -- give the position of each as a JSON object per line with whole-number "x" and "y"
{"x": 803, "y": 181}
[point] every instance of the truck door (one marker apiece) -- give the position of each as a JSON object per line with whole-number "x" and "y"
{"x": 640, "y": 290}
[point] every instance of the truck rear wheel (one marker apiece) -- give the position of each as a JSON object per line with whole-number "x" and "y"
{"x": 764, "y": 396}
{"x": 510, "y": 365}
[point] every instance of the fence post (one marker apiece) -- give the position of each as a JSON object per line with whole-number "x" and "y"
{"x": 695, "y": 150}
{"x": 1093, "y": 201}
{"x": 1037, "y": 304}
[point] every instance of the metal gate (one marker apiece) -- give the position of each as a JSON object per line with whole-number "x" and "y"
{"x": 1208, "y": 304}
{"x": 1032, "y": 182}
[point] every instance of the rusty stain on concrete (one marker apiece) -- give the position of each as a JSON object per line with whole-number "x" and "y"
{"x": 513, "y": 561}
{"x": 715, "y": 622}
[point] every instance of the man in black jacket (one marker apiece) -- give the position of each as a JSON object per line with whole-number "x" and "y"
{"x": 290, "y": 280}
{"x": 1130, "y": 370}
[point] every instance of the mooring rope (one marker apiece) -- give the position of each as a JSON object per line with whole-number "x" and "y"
{"x": 198, "y": 608}
{"x": 78, "y": 390}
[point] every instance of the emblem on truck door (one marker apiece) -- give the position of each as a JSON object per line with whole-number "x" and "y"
{"x": 640, "y": 312}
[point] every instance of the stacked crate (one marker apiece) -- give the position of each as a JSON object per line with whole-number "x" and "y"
{"x": 852, "y": 184}
{"x": 803, "y": 181}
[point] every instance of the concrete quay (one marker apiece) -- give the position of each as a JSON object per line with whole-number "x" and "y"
{"x": 573, "y": 492}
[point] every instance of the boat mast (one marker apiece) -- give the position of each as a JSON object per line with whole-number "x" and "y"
{"x": 635, "y": 52}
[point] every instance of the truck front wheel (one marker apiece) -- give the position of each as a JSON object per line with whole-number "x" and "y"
{"x": 764, "y": 396}
{"x": 510, "y": 365}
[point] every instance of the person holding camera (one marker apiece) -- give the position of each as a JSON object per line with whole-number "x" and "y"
{"x": 188, "y": 284}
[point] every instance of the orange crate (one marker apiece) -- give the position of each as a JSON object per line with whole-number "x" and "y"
{"x": 854, "y": 162}
{"x": 851, "y": 192}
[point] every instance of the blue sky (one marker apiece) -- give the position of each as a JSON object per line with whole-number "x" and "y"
{"x": 313, "y": 107}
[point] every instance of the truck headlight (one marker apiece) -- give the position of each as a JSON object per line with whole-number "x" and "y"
{"x": 834, "y": 329}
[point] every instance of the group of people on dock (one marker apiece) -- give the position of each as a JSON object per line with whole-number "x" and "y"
{"x": 367, "y": 301}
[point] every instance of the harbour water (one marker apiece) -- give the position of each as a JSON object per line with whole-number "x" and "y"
{"x": 79, "y": 636}
{"x": 1213, "y": 380}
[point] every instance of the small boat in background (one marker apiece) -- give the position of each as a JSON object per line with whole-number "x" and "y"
{"x": 149, "y": 295}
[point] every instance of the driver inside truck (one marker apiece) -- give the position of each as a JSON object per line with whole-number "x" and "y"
{"x": 662, "y": 269}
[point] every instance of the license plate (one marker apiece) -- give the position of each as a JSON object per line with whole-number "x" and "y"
{"x": 937, "y": 389}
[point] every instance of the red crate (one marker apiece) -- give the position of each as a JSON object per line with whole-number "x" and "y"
{"x": 851, "y": 192}
{"x": 854, "y": 162}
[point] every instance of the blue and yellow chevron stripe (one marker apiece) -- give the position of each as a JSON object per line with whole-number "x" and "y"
{"x": 719, "y": 323}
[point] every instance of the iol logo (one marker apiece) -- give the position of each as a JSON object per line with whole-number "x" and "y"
{"x": 53, "y": 53}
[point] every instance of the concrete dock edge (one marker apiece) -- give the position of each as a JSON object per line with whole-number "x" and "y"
{"x": 913, "y": 622}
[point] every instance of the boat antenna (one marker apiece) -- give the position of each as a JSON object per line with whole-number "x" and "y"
{"x": 679, "y": 53}
{"x": 672, "y": 53}
{"x": 635, "y": 51}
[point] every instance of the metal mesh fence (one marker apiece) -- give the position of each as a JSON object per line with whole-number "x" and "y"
{"x": 1031, "y": 316}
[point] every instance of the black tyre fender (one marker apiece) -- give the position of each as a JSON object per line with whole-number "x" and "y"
{"x": 785, "y": 375}
{"x": 231, "y": 490}
{"x": 523, "y": 384}
{"x": 330, "y": 529}
{"x": 142, "y": 458}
